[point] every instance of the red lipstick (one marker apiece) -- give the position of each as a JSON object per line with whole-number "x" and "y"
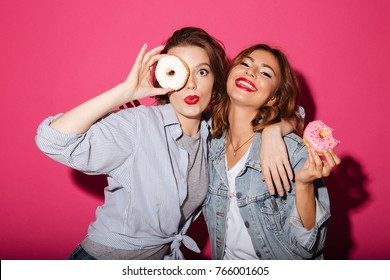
{"x": 245, "y": 84}
{"x": 191, "y": 99}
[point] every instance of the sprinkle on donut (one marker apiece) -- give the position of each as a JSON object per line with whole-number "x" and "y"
{"x": 319, "y": 136}
{"x": 172, "y": 72}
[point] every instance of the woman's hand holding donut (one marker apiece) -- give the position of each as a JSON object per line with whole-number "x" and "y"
{"x": 138, "y": 83}
{"x": 315, "y": 168}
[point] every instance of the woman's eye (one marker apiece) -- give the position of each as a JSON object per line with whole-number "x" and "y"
{"x": 244, "y": 64}
{"x": 266, "y": 74}
{"x": 203, "y": 72}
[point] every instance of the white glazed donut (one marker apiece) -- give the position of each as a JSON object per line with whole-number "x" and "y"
{"x": 171, "y": 72}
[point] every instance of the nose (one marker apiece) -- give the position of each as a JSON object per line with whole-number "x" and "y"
{"x": 250, "y": 72}
{"x": 191, "y": 84}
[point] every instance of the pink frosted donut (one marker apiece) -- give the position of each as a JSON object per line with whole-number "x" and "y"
{"x": 319, "y": 136}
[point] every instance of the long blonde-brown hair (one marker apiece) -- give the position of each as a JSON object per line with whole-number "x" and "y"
{"x": 286, "y": 97}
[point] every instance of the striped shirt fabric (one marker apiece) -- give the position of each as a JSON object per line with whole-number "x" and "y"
{"x": 137, "y": 149}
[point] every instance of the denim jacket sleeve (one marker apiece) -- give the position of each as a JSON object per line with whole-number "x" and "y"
{"x": 104, "y": 147}
{"x": 310, "y": 242}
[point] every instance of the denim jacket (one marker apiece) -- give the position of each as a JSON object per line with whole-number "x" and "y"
{"x": 273, "y": 222}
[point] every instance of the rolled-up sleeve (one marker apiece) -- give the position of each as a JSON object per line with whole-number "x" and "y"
{"x": 104, "y": 147}
{"x": 310, "y": 242}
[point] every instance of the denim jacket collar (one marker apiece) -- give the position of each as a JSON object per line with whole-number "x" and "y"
{"x": 217, "y": 153}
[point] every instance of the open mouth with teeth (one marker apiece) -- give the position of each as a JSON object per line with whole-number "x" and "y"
{"x": 245, "y": 85}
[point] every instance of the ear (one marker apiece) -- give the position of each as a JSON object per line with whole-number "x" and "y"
{"x": 271, "y": 101}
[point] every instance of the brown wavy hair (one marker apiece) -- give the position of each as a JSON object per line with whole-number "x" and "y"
{"x": 194, "y": 36}
{"x": 286, "y": 97}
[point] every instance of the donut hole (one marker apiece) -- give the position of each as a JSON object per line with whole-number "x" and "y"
{"x": 324, "y": 133}
{"x": 171, "y": 72}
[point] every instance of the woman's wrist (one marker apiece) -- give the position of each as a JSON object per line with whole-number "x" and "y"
{"x": 303, "y": 185}
{"x": 121, "y": 95}
{"x": 274, "y": 129}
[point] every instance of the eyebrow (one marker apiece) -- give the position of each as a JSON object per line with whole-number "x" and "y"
{"x": 262, "y": 64}
{"x": 203, "y": 64}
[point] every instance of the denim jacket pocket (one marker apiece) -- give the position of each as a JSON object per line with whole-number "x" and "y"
{"x": 274, "y": 212}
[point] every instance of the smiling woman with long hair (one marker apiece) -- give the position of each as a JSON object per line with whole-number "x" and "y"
{"x": 245, "y": 220}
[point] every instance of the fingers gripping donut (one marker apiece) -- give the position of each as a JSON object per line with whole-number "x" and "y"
{"x": 172, "y": 72}
{"x": 319, "y": 136}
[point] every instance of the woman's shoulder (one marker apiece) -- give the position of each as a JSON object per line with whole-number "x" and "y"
{"x": 217, "y": 146}
{"x": 295, "y": 146}
{"x": 142, "y": 112}
{"x": 294, "y": 138}
{"x": 294, "y": 142}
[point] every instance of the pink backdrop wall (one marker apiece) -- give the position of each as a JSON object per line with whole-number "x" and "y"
{"x": 56, "y": 54}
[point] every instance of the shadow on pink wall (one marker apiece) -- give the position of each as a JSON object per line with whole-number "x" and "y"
{"x": 347, "y": 186}
{"x": 347, "y": 191}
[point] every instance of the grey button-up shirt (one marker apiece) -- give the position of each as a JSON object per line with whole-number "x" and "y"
{"x": 147, "y": 175}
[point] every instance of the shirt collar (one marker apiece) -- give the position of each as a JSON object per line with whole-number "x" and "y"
{"x": 169, "y": 115}
{"x": 170, "y": 119}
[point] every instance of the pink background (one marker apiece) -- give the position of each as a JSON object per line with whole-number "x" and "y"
{"x": 56, "y": 54}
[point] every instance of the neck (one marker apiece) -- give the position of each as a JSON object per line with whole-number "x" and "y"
{"x": 240, "y": 122}
{"x": 240, "y": 134}
{"x": 190, "y": 127}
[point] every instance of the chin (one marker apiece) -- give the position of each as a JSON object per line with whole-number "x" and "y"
{"x": 193, "y": 114}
